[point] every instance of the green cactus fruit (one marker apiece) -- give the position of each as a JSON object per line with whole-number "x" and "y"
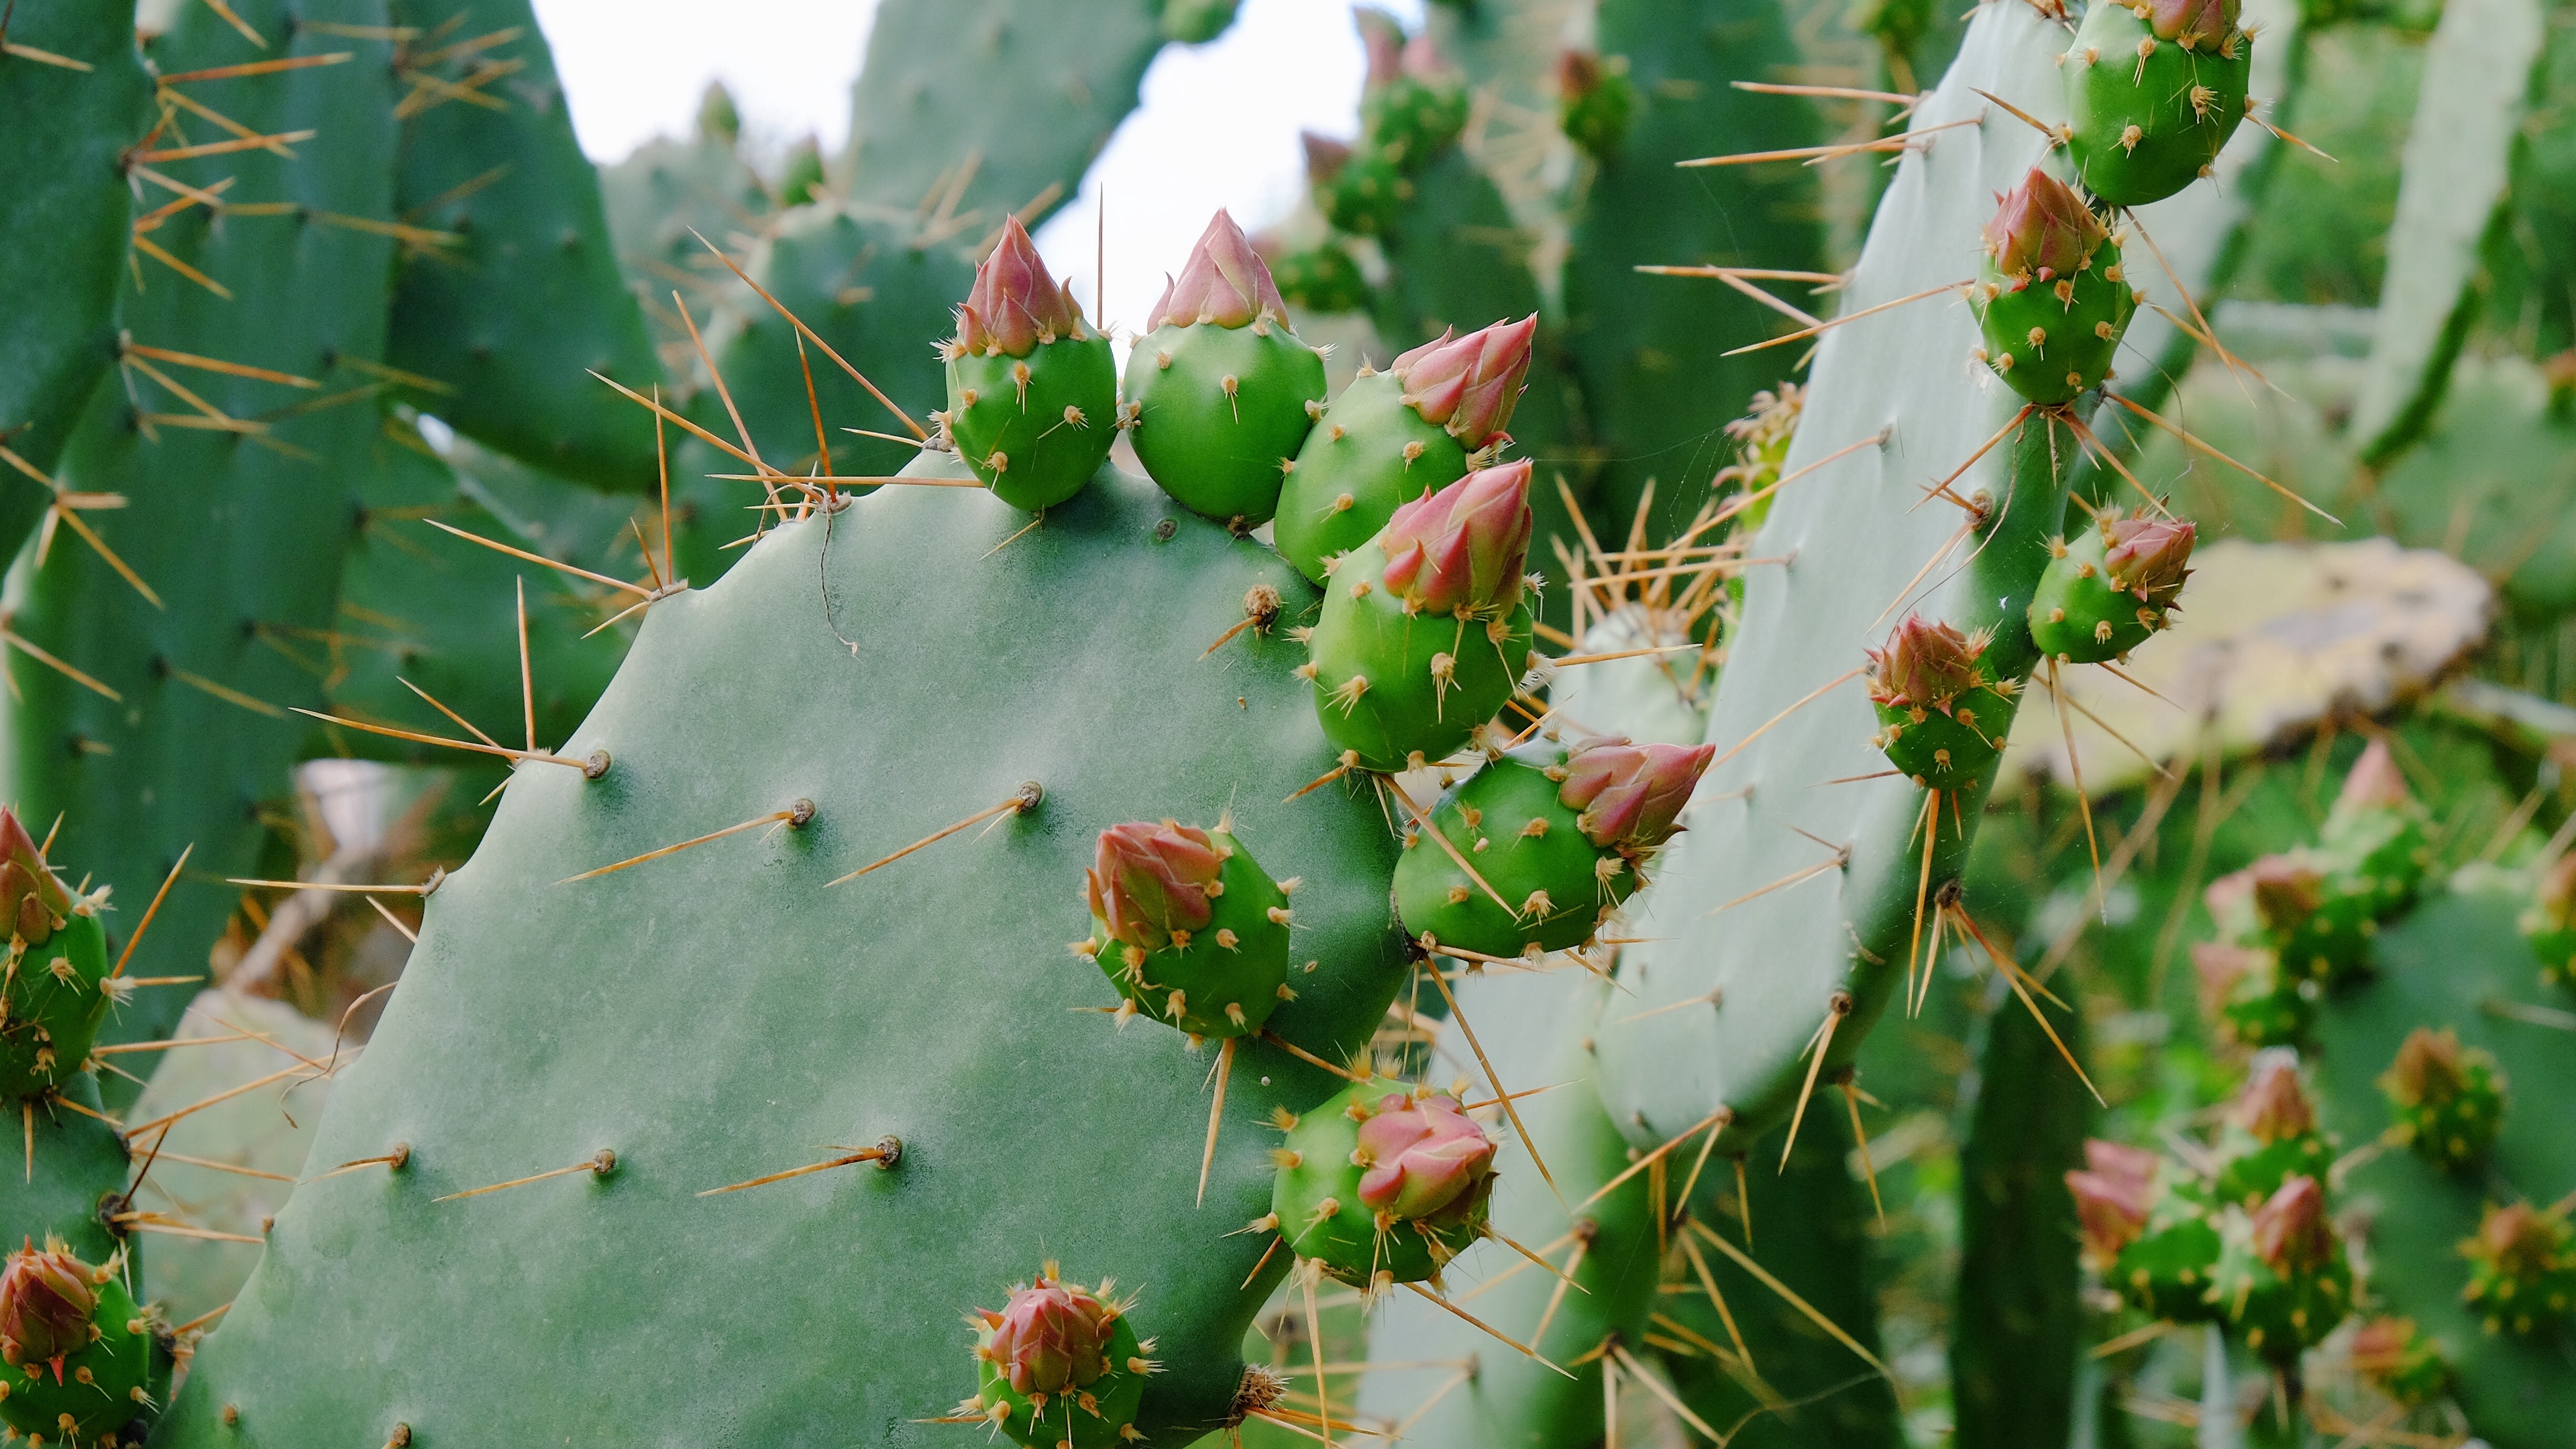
{"x": 79, "y": 1351}
{"x": 1220, "y": 392}
{"x": 2522, "y": 1268}
{"x": 1322, "y": 278}
{"x": 1422, "y": 423}
{"x": 1411, "y": 103}
{"x": 2147, "y": 1229}
{"x": 1196, "y": 22}
{"x": 1357, "y": 189}
{"x": 2152, "y": 94}
{"x": 1032, "y": 390}
{"x": 1425, "y": 629}
{"x": 2249, "y": 999}
{"x": 2401, "y": 1360}
{"x": 1595, "y": 101}
{"x": 1060, "y": 1364}
{"x": 2270, "y": 1134}
{"x": 1382, "y": 1183}
{"x": 54, "y": 992}
{"x": 1563, "y": 836}
{"x": 2374, "y": 837}
{"x": 2283, "y": 1280}
{"x": 2549, "y": 922}
{"x": 1188, "y": 928}
{"x": 2107, "y": 589}
{"x": 2317, "y": 925}
{"x": 1942, "y": 719}
{"x": 2050, "y": 297}
{"x": 2448, "y": 1101}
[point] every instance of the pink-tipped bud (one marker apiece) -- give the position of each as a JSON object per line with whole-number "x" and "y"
{"x": 2383, "y": 1345}
{"x": 1469, "y": 384}
{"x": 2203, "y": 20}
{"x": 1631, "y": 794}
{"x": 1052, "y": 1336}
{"x": 2148, "y": 558}
{"x": 1462, "y": 548}
{"x": 1925, "y": 665}
{"x": 1149, "y": 880}
{"x": 2220, "y": 966}
{"x": 1578, "y": 73}
{"x": 2042, "y": 228}
{"x": 1382, "y": 40}
{"x": 1015, "y": 304}
{"x": 2287, "y": 890}
{"x": 2290, "y": 1228}
{"x": 1325, "y": 157}
{"x": 32, "y": 902}
{"x": 1422, "y": 1156}
{"x": 2113, "y": 1213}
{"x": 45, "y": 1303}
{"x": 2374, "y": 784}
{"x": 2121, "y": 1162}
{"x": 1224, "y": 282}
{"x": 2519, "y": 1242}
{"x": 2273, "y": 1106}
{"x": 2430, "y": 1067}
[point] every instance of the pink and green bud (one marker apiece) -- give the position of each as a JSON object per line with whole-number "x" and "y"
{"x": 2273, "y": 1106}
{"x": 1325, "y": 157}
{"x": 2220, "y": 966}
{"x": 2520, "y": 1244}
{"x": 2290, "y": 1228}
{"x": 1224, "y": 282}
{"x": 45, "y": 1303}
{"x": 1015, "y": 304}
{"x": 2202, "y": 20}
{"x": 1148, "y": 881}
{"x": 2113, "y": 1214}
{"x": 32, "y": 902}
{"x": 1421, "y": 1155}
{"x": 2148, "y": 558}
{"x": 1469, "y": 384}
{"x": 1050, "y": 1337}
{"x": 2287, "y": 890}
{"x": 1460, "y": 550}
{"x": 1630, "y": 795}
{"x": 1925, "y": 665}
{"x": 2042, "y": 230}
{"x": 1382, "y": 41}
{"x": 2374, "y": 784}
{"x": 2430, "y": 1067}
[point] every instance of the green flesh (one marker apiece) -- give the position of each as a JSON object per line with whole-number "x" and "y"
{"x": 118, "y": 1362}
{"x": 1062, "y": 1418}
{"x": 2077, "y": 329}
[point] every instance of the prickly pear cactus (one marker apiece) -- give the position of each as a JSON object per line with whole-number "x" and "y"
{"x": 1032, "y": 392}
{"x": 2152, "y": 94}
{"x": 738, "y": 703}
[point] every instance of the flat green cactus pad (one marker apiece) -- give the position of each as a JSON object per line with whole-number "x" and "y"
{"x": 720, "y": 1014}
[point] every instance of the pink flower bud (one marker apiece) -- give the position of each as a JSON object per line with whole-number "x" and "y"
{"x": 2290, "y": 1228}
{"x": 32, "y": 902}
{"x": 1470, "y": 383}
{"x": 2220, "y": 966}
{"x": 1015, "y": 305}
{"x": 2374, "y": 784}
{"x": 1325, "y": 157}
{"x": 2287, "y": 890}
{"x": 1925, "y": 665}
{"x": 1578, "y": 73}
{"x": 2042, "y": 230}
{"x": 1422, "y": 1156}
{"x": 1148, "y": 881}
{"x": 1224, "y": 282}
{"x": 2113, "y": 1213}
{"x": 2430, "y": 1067}
{"x": 45, "y": 1303}
{"x": 1382, "y": 39}
{"x": 2520, "y": 1242}
{"x": 1050, "y": 1337}
{"x": 1631, "y": 794}
{"x": 2273, "y": 1106}
{"x": 2148, "y": 558}
{"x": 1462, "y": 548}
{"x": 2203, "y": 20}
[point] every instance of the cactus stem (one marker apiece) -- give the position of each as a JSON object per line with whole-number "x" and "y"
{"x": 598, "y": 1164}
{"x": 1216, "y": 1112}
{"x": 1807, "y": 332}
{"x": 1026, "y": 798}
{"x": 2197, "y": 445}
{"x": 1833, "y": 1330}
{"x": 795, "y": 815}
{"x": 1309, "y": 1058}
{"x": 1473, "y": 1321}
{"x": 1494, "y": 1079}
{"x": 887, "y": 1152}
{"x": 1837, "y": 1006}
{"x": 2083, "y": 800}
{"x": 1809, "y": 698}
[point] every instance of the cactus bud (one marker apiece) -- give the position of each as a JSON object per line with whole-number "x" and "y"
{"x": 32, "y": 902}
{"x": 1594, "y": 100}
{"x": 1015, "y": 304}
{"x": 1382, "y": 40}
{"x": 2448, "y": 1101}
{"x": 1469, "y": 383}
{"x": 2042, "y": 230}
{"x": 1325, "y": 156}
{"x": 45, "y": 1305}
{"x": 2112, "y": 1197}
{"x": 1631, "y": 794}
{"x": 2203, "y": 20}
{"x": 1050, "y": 1337}
{"x": 2273, "y": 1107}
{"x": 2287, "y": 891}
{"x": 1224, "y": 282}
{"x": 2395, "y": 1355}
{"x": 1925, "y": 665}
{"x": 2290, "y": 1228}
{"x": 2374, "y": 784}
{"x": 2522, "y": 1266}
{"x": 1422, "y": 1156}
{"x": 2148, "y": 557}
{"x": 1150, "y": 880}
{"x": 1461, "y": 549}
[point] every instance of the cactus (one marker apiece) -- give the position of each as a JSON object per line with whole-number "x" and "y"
{"x": 2152, "y": 93}
{"x": 1032, "y": 393}
{"x": 72, "y": 81}
{"x": 79, "y": 1351}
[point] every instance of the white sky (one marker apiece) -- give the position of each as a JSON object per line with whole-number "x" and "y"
{"x": 1218, "y": 124}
